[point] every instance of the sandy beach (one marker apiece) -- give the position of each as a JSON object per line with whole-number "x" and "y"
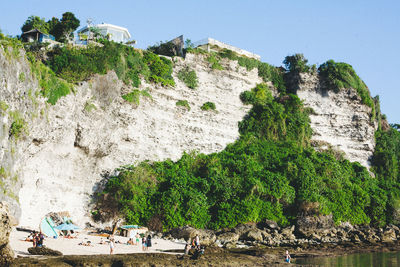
{"x": 71, "y": 247}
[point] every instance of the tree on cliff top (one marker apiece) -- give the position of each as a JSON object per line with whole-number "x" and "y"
{"x": 67, "y": 25}
{"x": 61, "y": 29}
{"x": 296, "y": 63}
{"x": 35, "y": 22}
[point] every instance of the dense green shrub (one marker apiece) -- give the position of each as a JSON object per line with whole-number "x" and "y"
{"x": 275, "y": 119}
{"x": 74, "y": 65}
{"x": 386, "y": 159}
{"x": 208, "y": 106}
{"x": 386, "y": 166}
{"x": 183, "y": 103}
{"x": 266, "y": 174}
{"x": 165, "y": 48}
{"x": 273, "y": 74}
{"x": 160, "y": 69}
{"x": 248, "y": 63}
{"x": 189, "y": 77}
{"x": 296, "y": 63}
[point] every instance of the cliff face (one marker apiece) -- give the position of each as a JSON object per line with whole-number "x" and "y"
{"x": 18, "y": 102}
{"x": 68, "y": 148}
{"x": 339, "y": 120}
{"x": 90, "y": 133}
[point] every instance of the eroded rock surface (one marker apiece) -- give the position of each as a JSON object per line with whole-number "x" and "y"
{"x": 339, "y": 119}
{"x": 6, "y": 222}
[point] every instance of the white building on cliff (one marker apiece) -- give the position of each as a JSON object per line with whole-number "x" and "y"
{"x": 115, "y": 33}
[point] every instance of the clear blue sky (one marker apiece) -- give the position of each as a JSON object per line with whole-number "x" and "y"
{"x": 363, "y": 33}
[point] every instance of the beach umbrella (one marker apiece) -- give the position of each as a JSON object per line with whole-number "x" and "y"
{"x": 66, "y": 227}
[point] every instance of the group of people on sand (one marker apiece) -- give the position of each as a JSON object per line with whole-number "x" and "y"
{"x": 146, "y": 243}
{"x": 134, "y": 240}
{"x": 36, "y": 238}
{"x": 195, "y": 244}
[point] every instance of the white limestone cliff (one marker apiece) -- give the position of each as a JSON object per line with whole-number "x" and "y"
{"x": 69, "y": 147}
{"x": 339, "y": 119}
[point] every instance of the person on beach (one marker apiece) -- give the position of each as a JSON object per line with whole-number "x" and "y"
{"x": 197, "y": 242}
{"x": 287, "y": 257}
{"x": 144, "y": 243}
{"x": 137, "y": 238}
{"x": 30, "y": 237}
{"x": 40, "y": 239}
{"x": 34, "y": 239}
{"x": 148, "y": 242}
{"x": 112, "y": 245}
{"x": 187, "y": 247}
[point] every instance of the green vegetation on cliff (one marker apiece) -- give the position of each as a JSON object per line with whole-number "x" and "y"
{"x": 183, "y": 103}
{"x": 61, "y": 29}
{"x": 52, "y": 87}
{"x": 386, "y": 166}
{"x": 134, "y": 96}
{"x": 266, "y": 174}
{"x": 78, "y": 64}
{"x": 208, "y": 106}
{"x": 189, "y": 77}
{"x": 339, "y": 75}
{"x": 266, "y": 71}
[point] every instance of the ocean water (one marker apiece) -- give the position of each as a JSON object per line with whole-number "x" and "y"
{"x": 376, "y": 259}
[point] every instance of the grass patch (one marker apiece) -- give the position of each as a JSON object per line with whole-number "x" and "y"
{"x": 3, "y": 106}
{"x": 89, "y": 106}
{"x": 213, "y": 59}
{"x": 52, "y": 87}
{"x": 11, "y": 46}
{"x": 183, "y": 103}
{"x": 189, "y": 77}
{"x": 208, "y": 106}
{"x": 134, "y": 96}
{"x": 18, "y": 126}
{"x": 21, "y": 77}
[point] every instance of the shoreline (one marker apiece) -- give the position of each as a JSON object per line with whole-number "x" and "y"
{"x": 170, "y": 253}
{"x": 71, "y": 246}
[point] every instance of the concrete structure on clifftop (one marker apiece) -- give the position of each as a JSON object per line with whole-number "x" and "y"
{"x": 210, "y": 44}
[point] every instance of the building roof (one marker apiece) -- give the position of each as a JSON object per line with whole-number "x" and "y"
{"x": 32, "y": 31}
{"x": 36, "y": 32}
{"x": 106, "y": 25}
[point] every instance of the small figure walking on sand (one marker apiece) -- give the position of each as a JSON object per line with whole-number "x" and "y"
{"x": 287, "y": 257}
{"x": 112, "y": 245}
